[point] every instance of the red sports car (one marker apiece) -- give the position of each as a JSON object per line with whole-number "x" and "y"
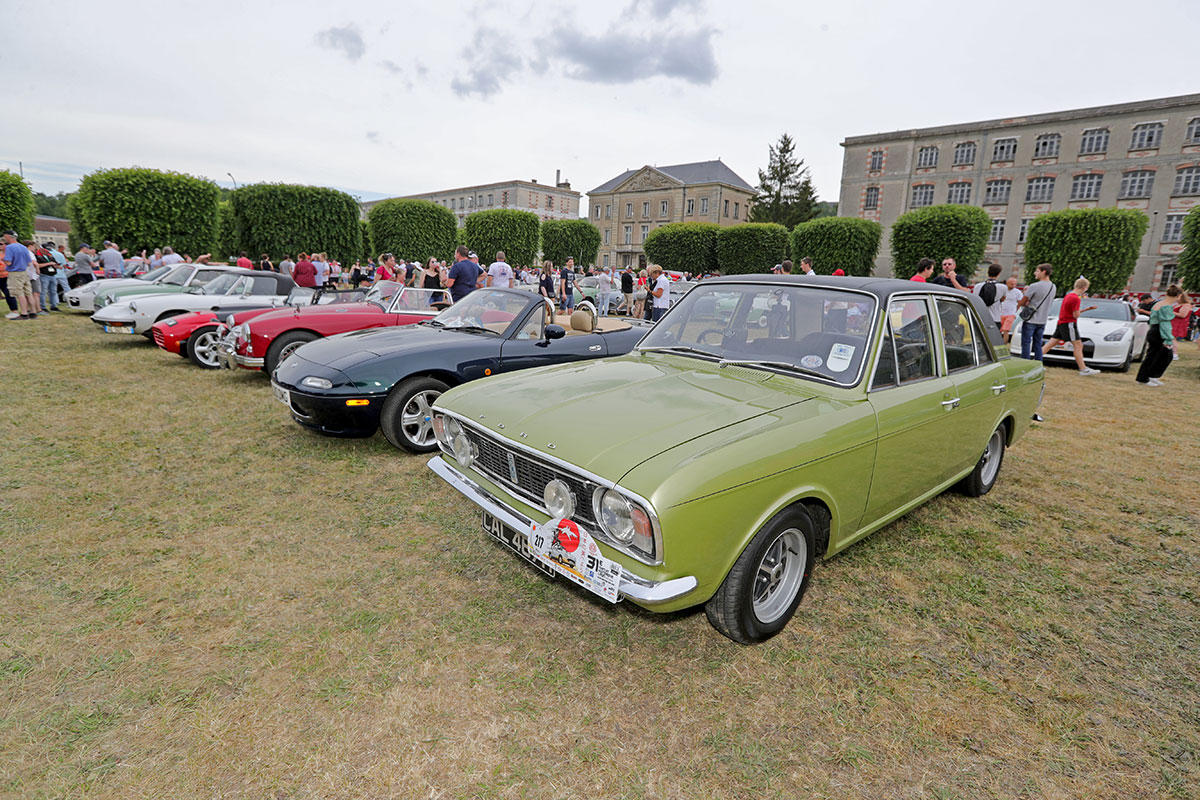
{"x": 269, "y": 338}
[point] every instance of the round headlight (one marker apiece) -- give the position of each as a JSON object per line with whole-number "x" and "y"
{"x": 616, "y": 516}
{"x": 317, "y": 383}
{"x": 559, "y": 499}
{"x": 464, "y": 451}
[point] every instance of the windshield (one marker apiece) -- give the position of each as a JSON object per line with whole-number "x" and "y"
{"x": 486, "y": 309}
{"x": 816, "y": 332}
{"x": 382, "y": 292}
{"x": 220, "y": 284}
{"x": 178, "y": 275}
{"x": 412, "y": 299}
{"x": 1105, "y": 309}
{"x": 155, "y": 273}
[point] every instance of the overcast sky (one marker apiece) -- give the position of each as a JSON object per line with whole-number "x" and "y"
{"x": 392, "y": 98}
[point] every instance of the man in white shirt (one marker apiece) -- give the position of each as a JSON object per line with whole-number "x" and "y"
{"x": 499, "y": 274}
{"x": 171, "y": 257}
{"x": 604, "y": 291}
{"x": 1008, "y": 307}
{"x": 994, "y": 291}
{"x": 322, "y": 269}
{"x": 660, "y": 291}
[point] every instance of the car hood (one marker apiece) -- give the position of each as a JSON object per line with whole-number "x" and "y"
{"x": 334, "y": 309}
{"x": 598, "y": 414}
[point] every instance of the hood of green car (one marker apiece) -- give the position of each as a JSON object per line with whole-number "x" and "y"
{"x": 609, "y": 415}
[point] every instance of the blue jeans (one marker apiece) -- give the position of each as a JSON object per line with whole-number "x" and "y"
{"x": 603, "y": 300}
{"x": 657, "y": 314}
{"x": 569, "y": 301}
{"x": 1031, "y": 340}
{"x": 49, "y": 291}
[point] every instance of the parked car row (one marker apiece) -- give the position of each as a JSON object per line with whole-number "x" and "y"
{"x": 764, "y": 423}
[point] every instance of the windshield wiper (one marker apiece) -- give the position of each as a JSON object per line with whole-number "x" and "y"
{"x": 682, "y": 348}
{"x": 784, "y": 365}
{"x": 471, "y": 329}
{"x": 431, "y": 322}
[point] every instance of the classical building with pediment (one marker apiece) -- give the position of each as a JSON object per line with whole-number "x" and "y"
{"x": 629, "y": 206}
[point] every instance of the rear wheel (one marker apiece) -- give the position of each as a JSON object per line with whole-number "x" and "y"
{"x": 983, "y": 477}
{"x": 1124, "y": 366}
{"x": 202, "y": 348}
{"x": 284, "y": 346}
{"x": 407, "y": 416}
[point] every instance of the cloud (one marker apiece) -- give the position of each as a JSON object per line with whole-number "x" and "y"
{"x": 392, "y": 66}
{"x": 616, "y": 56}
{"x": 489, "y": 69}
{"x": 373, "y": 137}
{"x": 348, "y": 39}
{"x": 660, "y": 9}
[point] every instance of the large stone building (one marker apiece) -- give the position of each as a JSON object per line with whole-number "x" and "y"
{"x": 557, "y": 201}
{"x": 1143, "y": 155}
{"x": 637, "y": 201}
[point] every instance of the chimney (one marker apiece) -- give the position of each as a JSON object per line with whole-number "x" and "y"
{"x": 558, "y": 177}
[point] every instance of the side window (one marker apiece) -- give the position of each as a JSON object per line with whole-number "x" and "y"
{"x": 533, "y": 325}
{"x": 885, "y": 367}
{"x": 204, "y": 276}
{"x": 264, "y": 285}
{"x": 240, "y": 286}
{"x": 912, "y": 340}
{"x": 959, "y": 334}
{"x": 983, "y": 355}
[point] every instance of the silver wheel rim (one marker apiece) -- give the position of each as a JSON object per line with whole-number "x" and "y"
{"x": 990, "y": 462}
{"x": 288, "y": 350}
{"x": 206, "y": 349}
{"x": 779, "y": 575}
{"x": 416, "y": 418}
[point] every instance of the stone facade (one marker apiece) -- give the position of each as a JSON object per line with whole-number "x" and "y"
{"x": 556, "y": 201}
{"x": 1143, "y": 155}
{"x": 629, "y": 206}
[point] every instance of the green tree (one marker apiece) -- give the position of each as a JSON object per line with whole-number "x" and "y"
{"x": 366, "y": 249}
{"x": 228, "y": 239}
{"x": 141, "y": 209}
{"x": 416, "y": 229}
{"x": 48, "y": 205}
{"x": 1189, "y": 259}
{"x": 563, "y": 238}
{"x": 684, "y": 246}
{"x": 785, "y": 192}
{"x": 848, "y": 243}
{"x": 517, "y": 233}
{"x": 749, "y": 248}
{"x": 937, "y": 232}
{"x": 1101, "y": 244}
{"x": 16, "y": 204}
{"x": 279, "y": 218}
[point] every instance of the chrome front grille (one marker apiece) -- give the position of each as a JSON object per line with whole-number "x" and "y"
{"x": 158, "y": 336}
{"x": 532, "y": 474}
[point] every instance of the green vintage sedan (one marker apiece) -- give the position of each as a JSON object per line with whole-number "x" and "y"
{"x": 764, "y": 422}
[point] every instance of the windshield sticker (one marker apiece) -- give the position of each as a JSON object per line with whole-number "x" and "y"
{"x": 811, "y": 362}
{"x": 839, "y": 357}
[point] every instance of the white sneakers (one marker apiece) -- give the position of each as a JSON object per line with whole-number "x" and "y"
{"x": 1151, "y": 382}
{"x": 13, "y": 315}
{"x": 1089, "y": 371}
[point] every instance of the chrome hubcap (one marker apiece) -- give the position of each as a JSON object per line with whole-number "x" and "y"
{"x": 416, "y": 419}
{"x": 779, "y": 575}
{"x": 205, "y": 349}
{"x": 287, "y": 351}
{"x": 991, "y": 457}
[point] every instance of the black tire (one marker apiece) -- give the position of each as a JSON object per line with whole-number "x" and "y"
{"x": 753, "y": 604}
{"x": 987, "y": 469}
{"x": 1124, "y": 366}
{"x": 202, "y": 347}
{"x": 283, "y": 346}
{"x": 411, "y": 431}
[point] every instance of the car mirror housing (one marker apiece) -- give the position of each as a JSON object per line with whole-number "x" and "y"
{"x": 555, "y": 332}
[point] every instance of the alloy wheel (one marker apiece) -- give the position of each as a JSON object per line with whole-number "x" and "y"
{"x": 416, "y": 419}
{"x": 779, "y": 575}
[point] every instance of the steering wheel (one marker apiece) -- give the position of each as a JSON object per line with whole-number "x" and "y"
{"x": 720, "y": 332}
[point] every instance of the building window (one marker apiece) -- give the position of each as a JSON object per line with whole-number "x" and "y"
{"x": 691, "y": 206}
{"x": 645, "y": 230}
{"x": 922, "y": 196}
{"x": 479, "y": 202}
{"x": 997, "y": 192}
{"x": 628, "y": 234}
{"x": 1137, "y": 183}
{"x": 736, "y": 209}
{"x": 703, "y": 205}
{"x": 1173, "y": 230}
{"x": 462, "y": 202}
{"x": 1187, "y": 180}
{"x": 1004, "y": 150}
{"x": 1145, "y": 136}
{"x": 1170, "y": 274}
{"x": 1022, "y": 231}
{"x": 871, "y": 199}
{"x": 549, "y": 203}
{"x": 1193, "y": 131}
{"x": 607, "y": 235}
{"x": 491, "y": 200}
{"x": 964, "y": 153}
{"x": 1046, "y": 145}
{"x": 1094, "y": 141}
{"x": 504, "y": 198}
{"x": 876, "y": 161}
{"x": 727, "y": 208}
{"x": 451, "y": 202}
{"x": 927, "y": 157}
{"x": 960, "y": 194}
{"x": 629, "y": 211}
{"x": 606, "y": 259}
{"x": 662, "y": 209}
{"x": 645, "y": 209}
{"x": 1039, "y": 190}
{"x": 997, "y": 234}
{"x": 597, "y": 215}
{"x": 608, "y": 211}
{"x": 1086, "y": 187}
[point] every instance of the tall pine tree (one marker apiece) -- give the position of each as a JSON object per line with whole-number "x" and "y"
{"x": 785, "y": 191}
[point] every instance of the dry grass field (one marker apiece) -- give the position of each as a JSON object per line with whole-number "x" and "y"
{"x": 200, "y": 599}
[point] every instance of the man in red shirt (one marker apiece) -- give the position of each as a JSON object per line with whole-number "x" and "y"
{"x": 1068, "y": 326}
{"x": 924, "y": 270}
{"x": 244, "y": 262}
{"x": 304, "y": 273}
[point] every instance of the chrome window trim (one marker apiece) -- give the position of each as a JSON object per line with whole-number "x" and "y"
{"x": 942, "y": 334}
{"x": 909, "y": 295}
{"x": 646, "y": 505}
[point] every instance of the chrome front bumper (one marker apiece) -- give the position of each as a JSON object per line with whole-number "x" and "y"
{"x": 632, "y": 586}
{"x": 229, "y": 358}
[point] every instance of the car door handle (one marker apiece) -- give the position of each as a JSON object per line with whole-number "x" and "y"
{"x": 999, "y": 388}
{"x": 951, "y": 404}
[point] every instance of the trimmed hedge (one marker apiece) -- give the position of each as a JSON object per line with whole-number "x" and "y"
{"x": 16, "y": 204}
{"x": 412, "y": 229}
{"x": 280, "y": 218}
{"x": 751, "y": 247}
{"x": 564, "y": 238}
{"x": 938, "y": 232}
{"x": 141, "y": 209}
{"x": 517, "y": 233}
{"x": 1101, "y": 244}
{"x": 1189, "y": 259}
{"x": 228, "y": 240}
{"x": 684, "y": 246}
{"x": 365, "y": 249}
{"x": 832, "y": 242}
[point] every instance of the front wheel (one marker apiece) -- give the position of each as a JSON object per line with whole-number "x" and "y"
{"x": 407, "y": 415}
{"x": 202, "y": 348}
{"x": 762, "y": 590}
{"x": 1124, "y": 365}
{"x": 983, "y": 477}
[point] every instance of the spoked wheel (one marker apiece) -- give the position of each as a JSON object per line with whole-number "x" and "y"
{"x": 407, "y": 416}
{"x": 983, "y": 477}
{"x": 202, "y": 348}
{"x": 284, "y": 346}
{"x": 780, "y": 573}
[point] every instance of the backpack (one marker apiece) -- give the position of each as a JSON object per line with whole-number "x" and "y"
{"x": 987, "y": 293}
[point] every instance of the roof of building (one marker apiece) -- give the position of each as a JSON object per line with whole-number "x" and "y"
{"x": 51, "y": 224}
{"x": 541, "y": 187}
{"x": 1159, "y": 104}
{"x": 687, "y": 174}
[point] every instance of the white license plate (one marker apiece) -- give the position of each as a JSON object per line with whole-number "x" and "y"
{"x": 562, "y": 547}
{"x": 118, "y": 329}
{"x": 282, "y": 395}
{"x": 513, "y": 540}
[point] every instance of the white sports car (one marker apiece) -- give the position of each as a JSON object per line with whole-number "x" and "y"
{"x": 83, "y": 297}
{"x": 1113, "y": 334}
{"x": 231, "y": 291}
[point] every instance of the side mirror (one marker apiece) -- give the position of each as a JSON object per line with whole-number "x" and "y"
{"x": 555, "y": 332}
{"x": 1143, "y": 318}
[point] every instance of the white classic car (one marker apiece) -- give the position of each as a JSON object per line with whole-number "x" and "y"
{"x": 1114, "y": 335}
{"x": 234, "y": 290}
{"x": 83, "y": 297}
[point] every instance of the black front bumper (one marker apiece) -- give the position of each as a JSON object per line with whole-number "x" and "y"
{"x": 329, "y": 414}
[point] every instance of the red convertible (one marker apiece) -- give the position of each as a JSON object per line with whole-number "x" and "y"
{"x": 269, "y": 338}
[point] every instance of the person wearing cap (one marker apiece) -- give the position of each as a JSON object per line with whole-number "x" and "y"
{"x": 85, "y": 263}
{"x": 474, "y": 259}
{"x": 839, "y": 271}
{"x": 21, "y": 269}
